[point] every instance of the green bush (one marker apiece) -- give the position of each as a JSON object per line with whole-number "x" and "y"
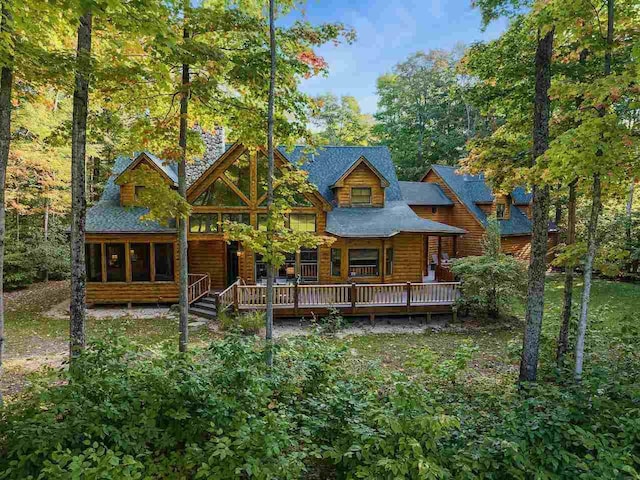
{"x": 249, "y": 323}
{"x": 123, "y": 412}
{"x": 493, "y": 282}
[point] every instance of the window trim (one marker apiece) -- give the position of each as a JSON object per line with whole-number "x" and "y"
{"x": 388, "y": 261}
{"x": 339, "y": 258}
{"x": 368, "y": 204}
{"x": 376, "y": 265}
{"x": 306, "y": 214}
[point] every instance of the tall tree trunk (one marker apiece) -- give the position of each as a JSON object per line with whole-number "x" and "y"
{"x": 563, "y": 337}
{"x": 77, "y": 340}
{"x": 46, "y": 235}
{"x": 270, "y": 161}
{"x": 182, "y": 189}
{"x": 596, "y": 207}
{"x": 6, "y": 84}
{"x": 540, "y": 233}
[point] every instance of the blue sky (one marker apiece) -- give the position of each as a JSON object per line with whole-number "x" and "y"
{"x": 388, "y": 32}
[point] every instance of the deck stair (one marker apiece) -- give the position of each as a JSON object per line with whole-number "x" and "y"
{"x": 204, "y": 307}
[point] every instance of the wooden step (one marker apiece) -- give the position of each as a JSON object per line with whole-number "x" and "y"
{"x": 204, "y": 312}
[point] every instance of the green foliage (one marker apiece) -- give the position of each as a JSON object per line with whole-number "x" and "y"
{"x": 248, "y": 323}
{"x": 423, "y": 115}
{"x": 340, "y": 121}
{"x": 329, "y": 324}
{"x": 448, "y": 370}
{"x": 492, "y": 282}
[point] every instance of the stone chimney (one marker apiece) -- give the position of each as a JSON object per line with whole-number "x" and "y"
{"x": 214, "y": 147}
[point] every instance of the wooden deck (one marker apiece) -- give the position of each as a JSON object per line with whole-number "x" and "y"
{"x": 348, "y": 299}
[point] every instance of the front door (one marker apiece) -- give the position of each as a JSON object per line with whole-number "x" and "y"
{"x": 232, "y": 263}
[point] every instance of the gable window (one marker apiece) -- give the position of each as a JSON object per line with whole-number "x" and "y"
{"x": 360, "y": 196}
{"x": 388, "y": 269}
{"x": 364, "y": 262}
{"x": 434, "y": 209}
{"x": 302, "y": 222}
{"x": 140, "y": 262}
{"x": 336, "y": 262}
{"x": 163, "y": 253}
{"x": 93, "y": 259}
{"x": 239, "y": 174}
{"x": 501, "y": 210}
{"x": 219, "y": 194}
{"x": 115, "y": 262}
{"x": 204, "y": 223}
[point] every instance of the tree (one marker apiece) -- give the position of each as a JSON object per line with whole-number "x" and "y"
{"x": 6, "y": 81}
{"x": 493, "y": 281}
{"x": 423, "y": 115}
{"x": 340, "y": 121}
{"x": 78, "y": 197}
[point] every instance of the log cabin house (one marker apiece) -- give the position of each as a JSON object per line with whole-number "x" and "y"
{"x": 390, "y": 252}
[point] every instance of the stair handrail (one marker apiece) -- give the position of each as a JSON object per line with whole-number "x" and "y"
{"x": 199, "y": 288}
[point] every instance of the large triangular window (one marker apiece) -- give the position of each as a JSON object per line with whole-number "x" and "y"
{"x": 219, "y": 194}
{"x": 239, "y": 173}
{"x": 263, "y": 171}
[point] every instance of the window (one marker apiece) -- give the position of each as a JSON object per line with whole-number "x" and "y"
{"x": 204, "y": 223}
{"x": 336, "y": 262}
{"x": 262, "y": 221}
{"x": 389, "y": 262}
{"x": 309, "y": 264}
{"x": 501, "y": 209}
{"x": 140, "y": 262}
{"x": 434, "y": 209}
{"x": 236, "y": 217}
{"x": 115, "y": 262}
{"x": 360, "y": 196}
{"x": 239, "y": 174}
{"x": 363, "y": 262}
{"x": 138, "y": 189}
{"x": 302, "y": 222}
{"x": 287, "y": 270}
{"x": 219, "y": 194}
{"x": 163, "y": 253}
{"x": 93, "y": 260}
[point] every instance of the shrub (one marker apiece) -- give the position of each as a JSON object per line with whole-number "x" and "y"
{"x": 492, "y": 282}
{"x": 329, "y": 324}
{"x": 249, "y": 323}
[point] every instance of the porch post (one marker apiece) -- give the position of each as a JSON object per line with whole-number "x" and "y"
{"x": 455, "y": 246}
{"x": 353, "y": 297}
{"x": 439, "y": 264}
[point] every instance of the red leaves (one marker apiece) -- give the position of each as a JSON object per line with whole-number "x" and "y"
{"x": 312, "y": 60}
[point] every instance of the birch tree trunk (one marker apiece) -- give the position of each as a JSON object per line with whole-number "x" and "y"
{"x": 183, "y": 243}
{"x": 6, "y": 84}
{"x": 563, "y": 337}
{"x": 596, "y": 207}
{"x": 540, "y": 233}
{"x": 270, "y": 161}
{"x": 77, "y": 340}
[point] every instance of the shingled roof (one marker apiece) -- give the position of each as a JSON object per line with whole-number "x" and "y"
{"x": 108, "y": 216}
{"x": 473, "y": 190}
{"x": 327, "y": 164}
{"x": 393, "y": 218}
{"x": 423, "y": 193}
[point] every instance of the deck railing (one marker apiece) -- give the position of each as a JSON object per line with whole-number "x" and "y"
{"x": 199, "y": 286}
{"x": 227, "y": 298}
{"x": 249, "y": 297}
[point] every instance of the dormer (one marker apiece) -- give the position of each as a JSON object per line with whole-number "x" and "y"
{"x": 130, "y": 190}
{"x": 502, "y": 206}
{"x": 362, "y": 185}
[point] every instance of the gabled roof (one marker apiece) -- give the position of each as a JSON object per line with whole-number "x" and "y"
{"x": 108, "y": 216}
{"x": 423, "y": 193}
{"x": 473, "y": 190}
{"x": 361, "y": 161}
{"x": 167, "y": 169}
{"x": 326, "y": 165}
{"x": 395, "y": 217}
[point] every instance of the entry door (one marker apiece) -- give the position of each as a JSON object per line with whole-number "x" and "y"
{"x": 232, "y": 263}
